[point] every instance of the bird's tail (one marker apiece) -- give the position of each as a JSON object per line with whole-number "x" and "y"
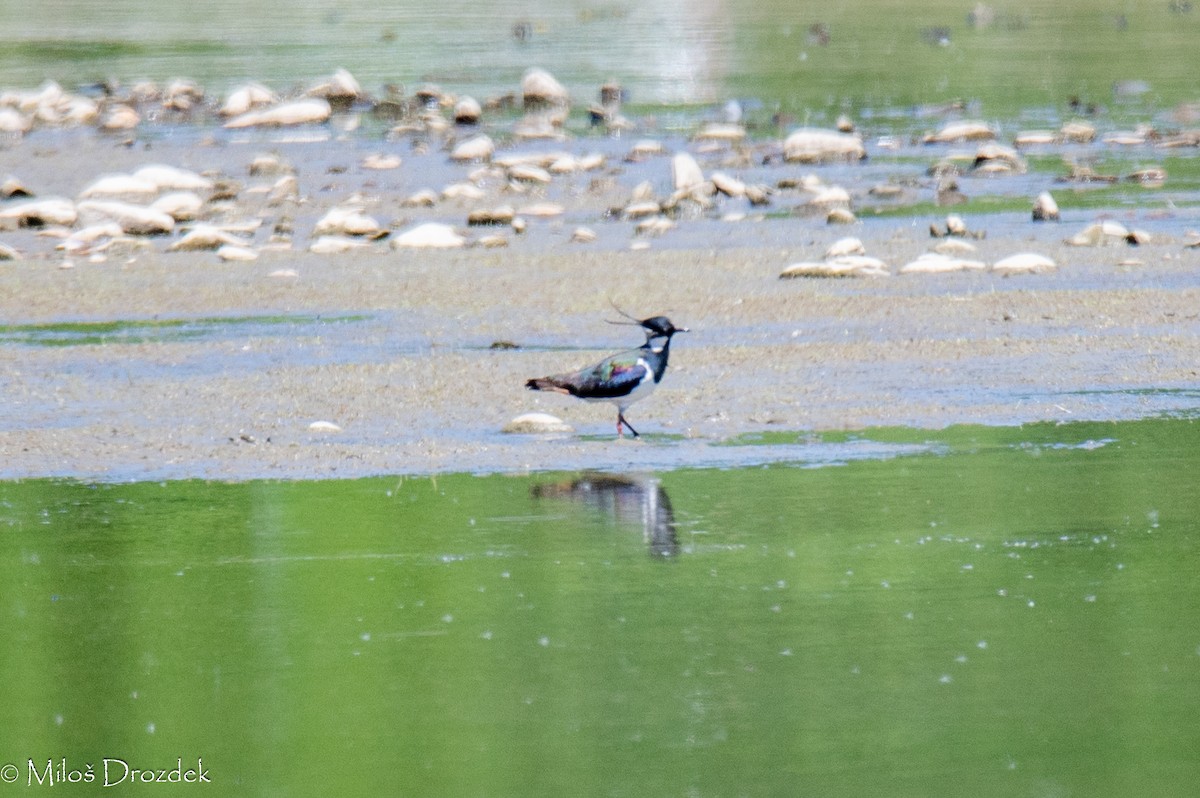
{"x": 545, "y": 384}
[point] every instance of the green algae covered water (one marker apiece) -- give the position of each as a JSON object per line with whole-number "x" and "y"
{"x": 1003, "y": 612}
{"x": 805, "y": 59}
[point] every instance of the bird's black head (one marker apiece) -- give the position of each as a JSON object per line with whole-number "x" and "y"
{"x": 660, "y": 327}
{"x": 655, "y": 326}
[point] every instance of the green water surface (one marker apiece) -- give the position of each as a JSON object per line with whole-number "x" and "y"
{"x": 1015, "y": 612}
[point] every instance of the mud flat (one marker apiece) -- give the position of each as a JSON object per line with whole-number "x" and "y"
{"x": 229, "y": 366}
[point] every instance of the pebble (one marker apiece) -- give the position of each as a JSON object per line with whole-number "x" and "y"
{"x": 270, "y": 165}
{"x": 492, "y": 241}
{"x": 39, "y": 213}
{"x": 119, "y": 186}
{"x": 1045, "y": 209}
{"x": 830, "y": 196}
{"x": 685, "y": 172}
{"x": 204, "y": 237}
{"x": 173, "y": 178}
{"x": 120, "y": 117}
{"x": 641, "y": 209}
{"x": 13, "y": 187}
{"x": 1100, "y": 233}
{"x": 529, "y": 173}
{"x": 476, "y": 148}
{"x": 961, "y": 131}
{"x": 247, "y": 97}
{"x": 425, "y": 198}
{"x": 1078, "y": 132}
{"x": 133, "y": 219}
{"x": 235, "y": 252}
{"x": 539, "y": 88}
{"x": 501, "y": 215}
{"x": 335, "y": 244}
{"x": 433, "y": 235}
{"x": 543, "y": 210}
{"x": 13, "y": 122}
{"x": 729, "y": 186}
{"x": 814, "y": 145}
{"x": 1025, "y": 263}
{"x": 657, "y": 226}
{"x": 536, "y": 424}
{"x": 463, "y": 191}
{"x": 467, "y": 111}
{"x": 381, "y": 162}
{"x": 324, "y": 426}
{"x": 182, "y": 206}
{"x": 89, "y": 239}
{"x": 340, "y": 86}
{"x": 845, "y": 246}
{"x": 955, "y": 246}
{"x": 645, "y": 148}
{"x": 348, "y": 221}
{"x": 721, "y": 131}
{"x": 939, "y": 263}
{"x": 313, "y": 110}
{"x": 843, "y": 266}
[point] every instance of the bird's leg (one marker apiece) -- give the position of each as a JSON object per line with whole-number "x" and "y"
{"x": 621, "y": 420}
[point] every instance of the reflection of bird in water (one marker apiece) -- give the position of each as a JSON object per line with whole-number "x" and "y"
{"x": 629, "y": 500}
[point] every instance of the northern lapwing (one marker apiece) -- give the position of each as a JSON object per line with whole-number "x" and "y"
{"x": 623, "y": 378}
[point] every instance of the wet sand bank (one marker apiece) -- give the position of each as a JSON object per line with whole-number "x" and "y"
{"x": 394, "y": 349}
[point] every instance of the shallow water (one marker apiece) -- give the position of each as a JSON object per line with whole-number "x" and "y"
{"x": 1002, "y": 612}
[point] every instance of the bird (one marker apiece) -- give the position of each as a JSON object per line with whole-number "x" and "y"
{"x": 623, "y": 378}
